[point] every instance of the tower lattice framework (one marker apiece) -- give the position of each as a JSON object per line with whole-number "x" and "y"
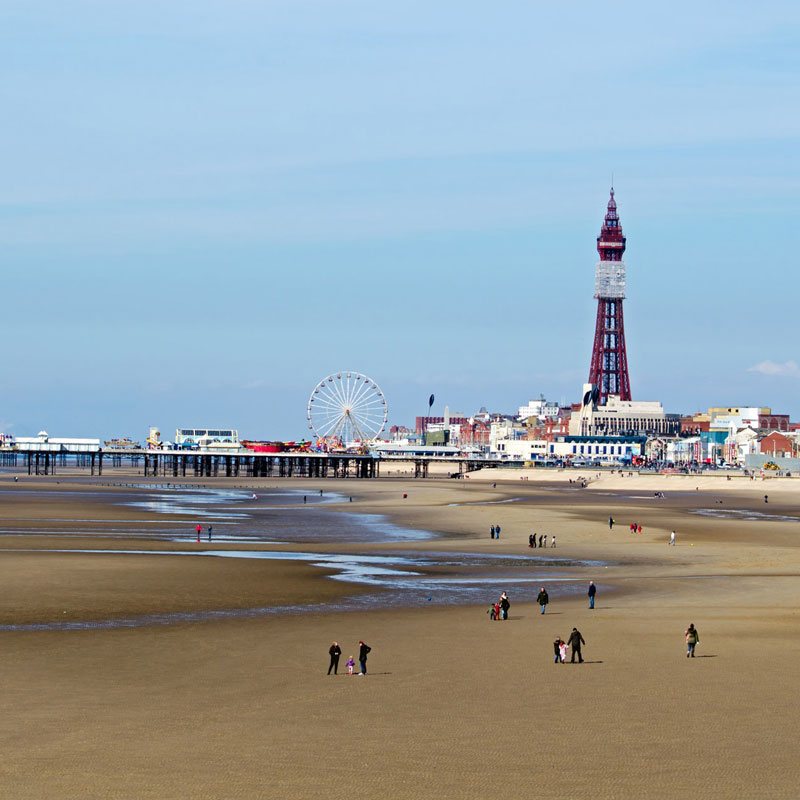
{"x": 609, "y": 366}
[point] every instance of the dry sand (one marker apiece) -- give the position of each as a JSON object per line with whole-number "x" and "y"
{"x": 454, "y": 705}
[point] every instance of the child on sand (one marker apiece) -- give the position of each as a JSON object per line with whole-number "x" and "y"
{"x": 497, "y": 610}
{"x": 492, "y": 613}
{"x": 562, "y": 651}
{"x": 557, "y": 648}
{"x": 350, "y": 664}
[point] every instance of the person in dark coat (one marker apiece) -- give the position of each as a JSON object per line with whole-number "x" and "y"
{"x": 504, "y": 605}
{"x": 532, "y": 540}
{"x": 575, "y": 641}
{"x": 541, "y": 540}
{"x": 491, "y": 532}
{"x": 611, "y": 523}
{"x": 542, "y": 599}
{"x": 592, "y": 592}
{"x": 335, "y": 651}
{"x": 363, "y": 649}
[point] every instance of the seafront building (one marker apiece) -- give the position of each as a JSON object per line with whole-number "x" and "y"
{"x": 621, "y": 417}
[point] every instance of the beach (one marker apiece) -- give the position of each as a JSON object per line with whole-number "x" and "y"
{"x": 209, "y": 679}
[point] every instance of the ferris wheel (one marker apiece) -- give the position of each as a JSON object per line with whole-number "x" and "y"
{"x": 348, "y": 406}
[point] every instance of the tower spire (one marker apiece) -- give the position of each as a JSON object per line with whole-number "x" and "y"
{"x": 608, "y": 370}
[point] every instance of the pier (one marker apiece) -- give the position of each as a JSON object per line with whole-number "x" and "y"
{"x": 201, "y": 464}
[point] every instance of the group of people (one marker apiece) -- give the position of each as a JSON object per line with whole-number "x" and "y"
{"x": 335, "y": 652}
{"x": 636, "y": 527}
{"x": 494, "y": 532}
{"x": 579, "y": 482}
{"x": 199, "y": 530}
{"x": 500, "y": 609}
{"x": 574, "y": 642}
{"x": 542, "y": 540}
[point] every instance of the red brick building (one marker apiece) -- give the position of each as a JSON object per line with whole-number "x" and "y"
{"x": 691, "y": 426}
{"x": 777, "y": 445}
{"x": 773, "y": 422}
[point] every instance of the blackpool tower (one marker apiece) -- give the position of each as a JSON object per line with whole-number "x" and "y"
{"x": 608, "y": 372}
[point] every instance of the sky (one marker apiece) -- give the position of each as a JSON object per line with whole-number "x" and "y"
{"x": 207, "y": 207}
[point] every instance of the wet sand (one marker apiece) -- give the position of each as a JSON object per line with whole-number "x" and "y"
{"x": 454, "y": 705}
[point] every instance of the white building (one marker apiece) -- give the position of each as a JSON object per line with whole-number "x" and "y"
{"x": 621, "y": 417}
{"x": 44, "y": 443}
{"x": 541, "y": 409}
{"x": 522, "y": 449}
{"x": 740, "y": 444}
{"x": 504, "y": 430}
{"x": 737, "y": 418}
{"x": 596, "y": 449}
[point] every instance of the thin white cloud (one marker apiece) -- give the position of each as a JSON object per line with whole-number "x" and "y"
{"x": 789, "y": 369}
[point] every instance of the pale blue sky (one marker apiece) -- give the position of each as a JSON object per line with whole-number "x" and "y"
{"x": 206, "y": 207}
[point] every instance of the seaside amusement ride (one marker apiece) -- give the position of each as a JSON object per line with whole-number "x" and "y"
{"x": 346, "y": 409}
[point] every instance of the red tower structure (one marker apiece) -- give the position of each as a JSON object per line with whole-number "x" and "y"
{"x": 608, "y": 372}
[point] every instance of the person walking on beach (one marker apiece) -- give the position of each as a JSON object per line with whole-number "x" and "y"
{"x": 504, "y": 605}
{"x": 199, "y": 530}
{"x": 542, "y": 599}
{"x": 592, "y": 592}
{"x": 491, "y": 532}
{"x": 672, "y": 538}
{"x": 766, "y": 498}
{"x": 492, "y": 612}
{"x": 541, "y": 539}
{"x": 210, "y": 531}
{"x": 575, "y": 641}
{"x": 553, "y": 540}
{"x": 532, "y": 540}
{"x": 335, "y": 651}
{"x": 611, "y": 523}
{"x": 496, "y": 531}
{"x": 692, "y": 638}
{"x": 363, "y": 649}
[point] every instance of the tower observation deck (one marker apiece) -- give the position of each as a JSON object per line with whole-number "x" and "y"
{"x": 608, "y": 371}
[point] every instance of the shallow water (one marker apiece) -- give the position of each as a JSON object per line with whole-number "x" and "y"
{"x": 742, "y": 514}
{"x": 486, "y": 502}
{"x": 402, "y": 579}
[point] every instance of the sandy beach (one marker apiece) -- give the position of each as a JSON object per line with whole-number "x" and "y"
{"x": 454, "y": 705}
